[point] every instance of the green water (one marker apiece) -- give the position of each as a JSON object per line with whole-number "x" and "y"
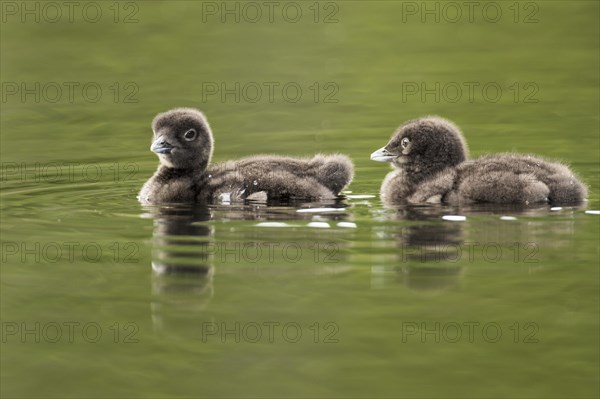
{"x": 383, "y": 302}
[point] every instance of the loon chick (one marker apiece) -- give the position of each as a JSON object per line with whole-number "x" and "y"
{"x": 429, "y": 157}
{"x": 183, "y": 142}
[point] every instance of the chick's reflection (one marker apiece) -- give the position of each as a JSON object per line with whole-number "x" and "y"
{"x": 428, "y": 249}
{"x": 425, "y": 239}
{"x": 182, "y": 281}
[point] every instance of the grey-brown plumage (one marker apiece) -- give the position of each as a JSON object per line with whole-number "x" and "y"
{"x": 429, "y": 156}
{"x": 183, "y": 142}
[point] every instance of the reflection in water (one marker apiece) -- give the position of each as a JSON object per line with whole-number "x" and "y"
{"x": 182, "y": 282}
{"x": 180, "y": 247}
{"x": 429, "y": 254}
{"x": 185, "y": 250}
{"x": 425, "y": 239}
{"x": 433, "y": 252}
{"x": 424, "y": 243}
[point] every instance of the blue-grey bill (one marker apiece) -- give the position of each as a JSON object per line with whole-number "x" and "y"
{"x": 382, "y": 155}
{"x": 161, "y": 147}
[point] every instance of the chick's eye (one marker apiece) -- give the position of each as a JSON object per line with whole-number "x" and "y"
{"x": 190, "y": 135}
{"x": 405, "y": 141}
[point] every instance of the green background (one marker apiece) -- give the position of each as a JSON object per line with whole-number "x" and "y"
{"x": 71, "y": 169}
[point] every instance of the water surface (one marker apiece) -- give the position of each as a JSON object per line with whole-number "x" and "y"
{"x": 357, "y": 300}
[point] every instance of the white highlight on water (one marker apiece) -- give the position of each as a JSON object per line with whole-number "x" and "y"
{"x": 360, "y": 196}
{"x": 315, "y": 210}
{"x": 454, "y": 218}
{"x": 272, "y": 224}
{"x": 319, "y": 225}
